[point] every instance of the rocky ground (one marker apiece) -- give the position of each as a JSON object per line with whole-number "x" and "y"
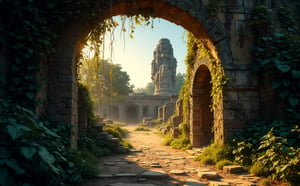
{"x": 152, "y": 164}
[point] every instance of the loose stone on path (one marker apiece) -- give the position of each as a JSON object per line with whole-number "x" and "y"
{"x": 155, "y": 174}
{"x": 208, "y": 175}
{"x": 178, "y": 172}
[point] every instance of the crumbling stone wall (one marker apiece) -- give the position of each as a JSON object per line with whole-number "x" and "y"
{"x": 225, "y": 34}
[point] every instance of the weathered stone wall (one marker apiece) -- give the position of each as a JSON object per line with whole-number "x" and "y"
{"x": 226, "y": 35}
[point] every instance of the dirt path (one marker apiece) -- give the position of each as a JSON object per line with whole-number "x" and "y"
{"x": 153, "y": 164}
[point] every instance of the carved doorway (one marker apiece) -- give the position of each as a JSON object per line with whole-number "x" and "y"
{"x": 115, "y": 113}
{"x": 132, "y": 114}
{"x": 202, "y": 132}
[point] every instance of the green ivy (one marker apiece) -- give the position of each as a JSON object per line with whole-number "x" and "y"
{"x": 277, "y": 54}
{"x": 30, "y": 30}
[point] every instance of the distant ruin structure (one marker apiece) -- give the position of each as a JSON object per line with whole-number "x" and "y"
{"x": 163, "y": 71}
{"x": 159, "y": 105}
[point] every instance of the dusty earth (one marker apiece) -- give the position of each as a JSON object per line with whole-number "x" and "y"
{"x": 152, "y": 164}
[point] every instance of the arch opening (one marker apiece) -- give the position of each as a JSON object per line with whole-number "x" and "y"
{"x": 202, "y": 119}
{"x": 193, "y": 16}
{"x": 132, "y": 113}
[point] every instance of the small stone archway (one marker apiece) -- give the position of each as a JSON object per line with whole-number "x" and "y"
{"x": 115, "y": 112}
{"x": 202, "y": 116}
{"x": 132, "y": 113}
{"x": 146, "y": 111}
{"x": 62, "y": 73}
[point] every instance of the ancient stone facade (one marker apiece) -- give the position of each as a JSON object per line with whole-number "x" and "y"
{"x": 134, "y": 108}
{"x": 163, "y": 71}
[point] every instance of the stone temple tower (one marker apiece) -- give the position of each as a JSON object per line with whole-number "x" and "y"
{"x": 163, "y": 73}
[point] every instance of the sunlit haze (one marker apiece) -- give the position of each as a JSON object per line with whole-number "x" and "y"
{"x": 136, "y": 54}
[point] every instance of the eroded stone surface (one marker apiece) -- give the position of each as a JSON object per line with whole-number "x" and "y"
{"x": 155, "y": 174}
{"x": 233, "y": 169}
{"x": 208, "y": 175}
{"x": 178, "y": 172}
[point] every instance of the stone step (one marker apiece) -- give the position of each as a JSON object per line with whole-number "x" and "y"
{"x": 98, "y": 127}
{"x": 209, "y": 175}
{"x": 178, "y": 172}
{"x": 114, "y": 142}
{"x": 233, "y": 169}
{"x": 102, "y": 135}
{"x": 126, "y": 175}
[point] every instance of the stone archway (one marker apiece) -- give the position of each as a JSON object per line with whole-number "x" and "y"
{"x": 115, "y": 112}
{"x": 202, "y": 116}
{"x": 132, "y": 113}
{"x": 62, "y": 73}
{"x": 146, "y": 112}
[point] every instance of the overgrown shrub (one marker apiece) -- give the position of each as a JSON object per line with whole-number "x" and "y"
{"x": 116, "y": 131}
{"x": 207, "y": 160}
{"x": 88, "y": 142}
{"x": 275, "y": 145}
{"x": 35, "y": 152}
{"x": 259, "y": 169}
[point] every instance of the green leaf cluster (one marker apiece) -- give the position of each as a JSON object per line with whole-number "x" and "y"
{"x": 31, "y": 148}
{"x": 277, "y": 54}
{"x": 275, "y": 145}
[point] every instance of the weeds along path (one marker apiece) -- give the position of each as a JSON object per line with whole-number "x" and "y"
{"x": 152, "y": 164}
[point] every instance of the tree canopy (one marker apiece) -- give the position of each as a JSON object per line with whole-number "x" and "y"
{"x": 105, "y": 81}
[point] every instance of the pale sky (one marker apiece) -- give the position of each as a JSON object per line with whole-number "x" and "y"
{"x": 135, "y": 55}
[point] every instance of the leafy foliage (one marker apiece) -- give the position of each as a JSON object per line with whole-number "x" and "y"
{"x": 149, "y": 89}
{"x": 277, "y": 53}
{"x": 105, "y": 81}
{"x": 115, "y": 130}
{"x": 274, "y": 145}
{"x": 28, "y": 148}
{"x": 85, "y": 106}
{"x": 30, "y": 32}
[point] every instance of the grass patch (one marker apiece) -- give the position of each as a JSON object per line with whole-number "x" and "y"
{"x": 182, "y": 142}
{"x": 259, "y": 169}
{"x": 223, "y": 163}
{"x": 168, "y": 139}
{"x": 116, "y": 131}
{"x": 215, "y": 153}
{"x": 141, "y": 128}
